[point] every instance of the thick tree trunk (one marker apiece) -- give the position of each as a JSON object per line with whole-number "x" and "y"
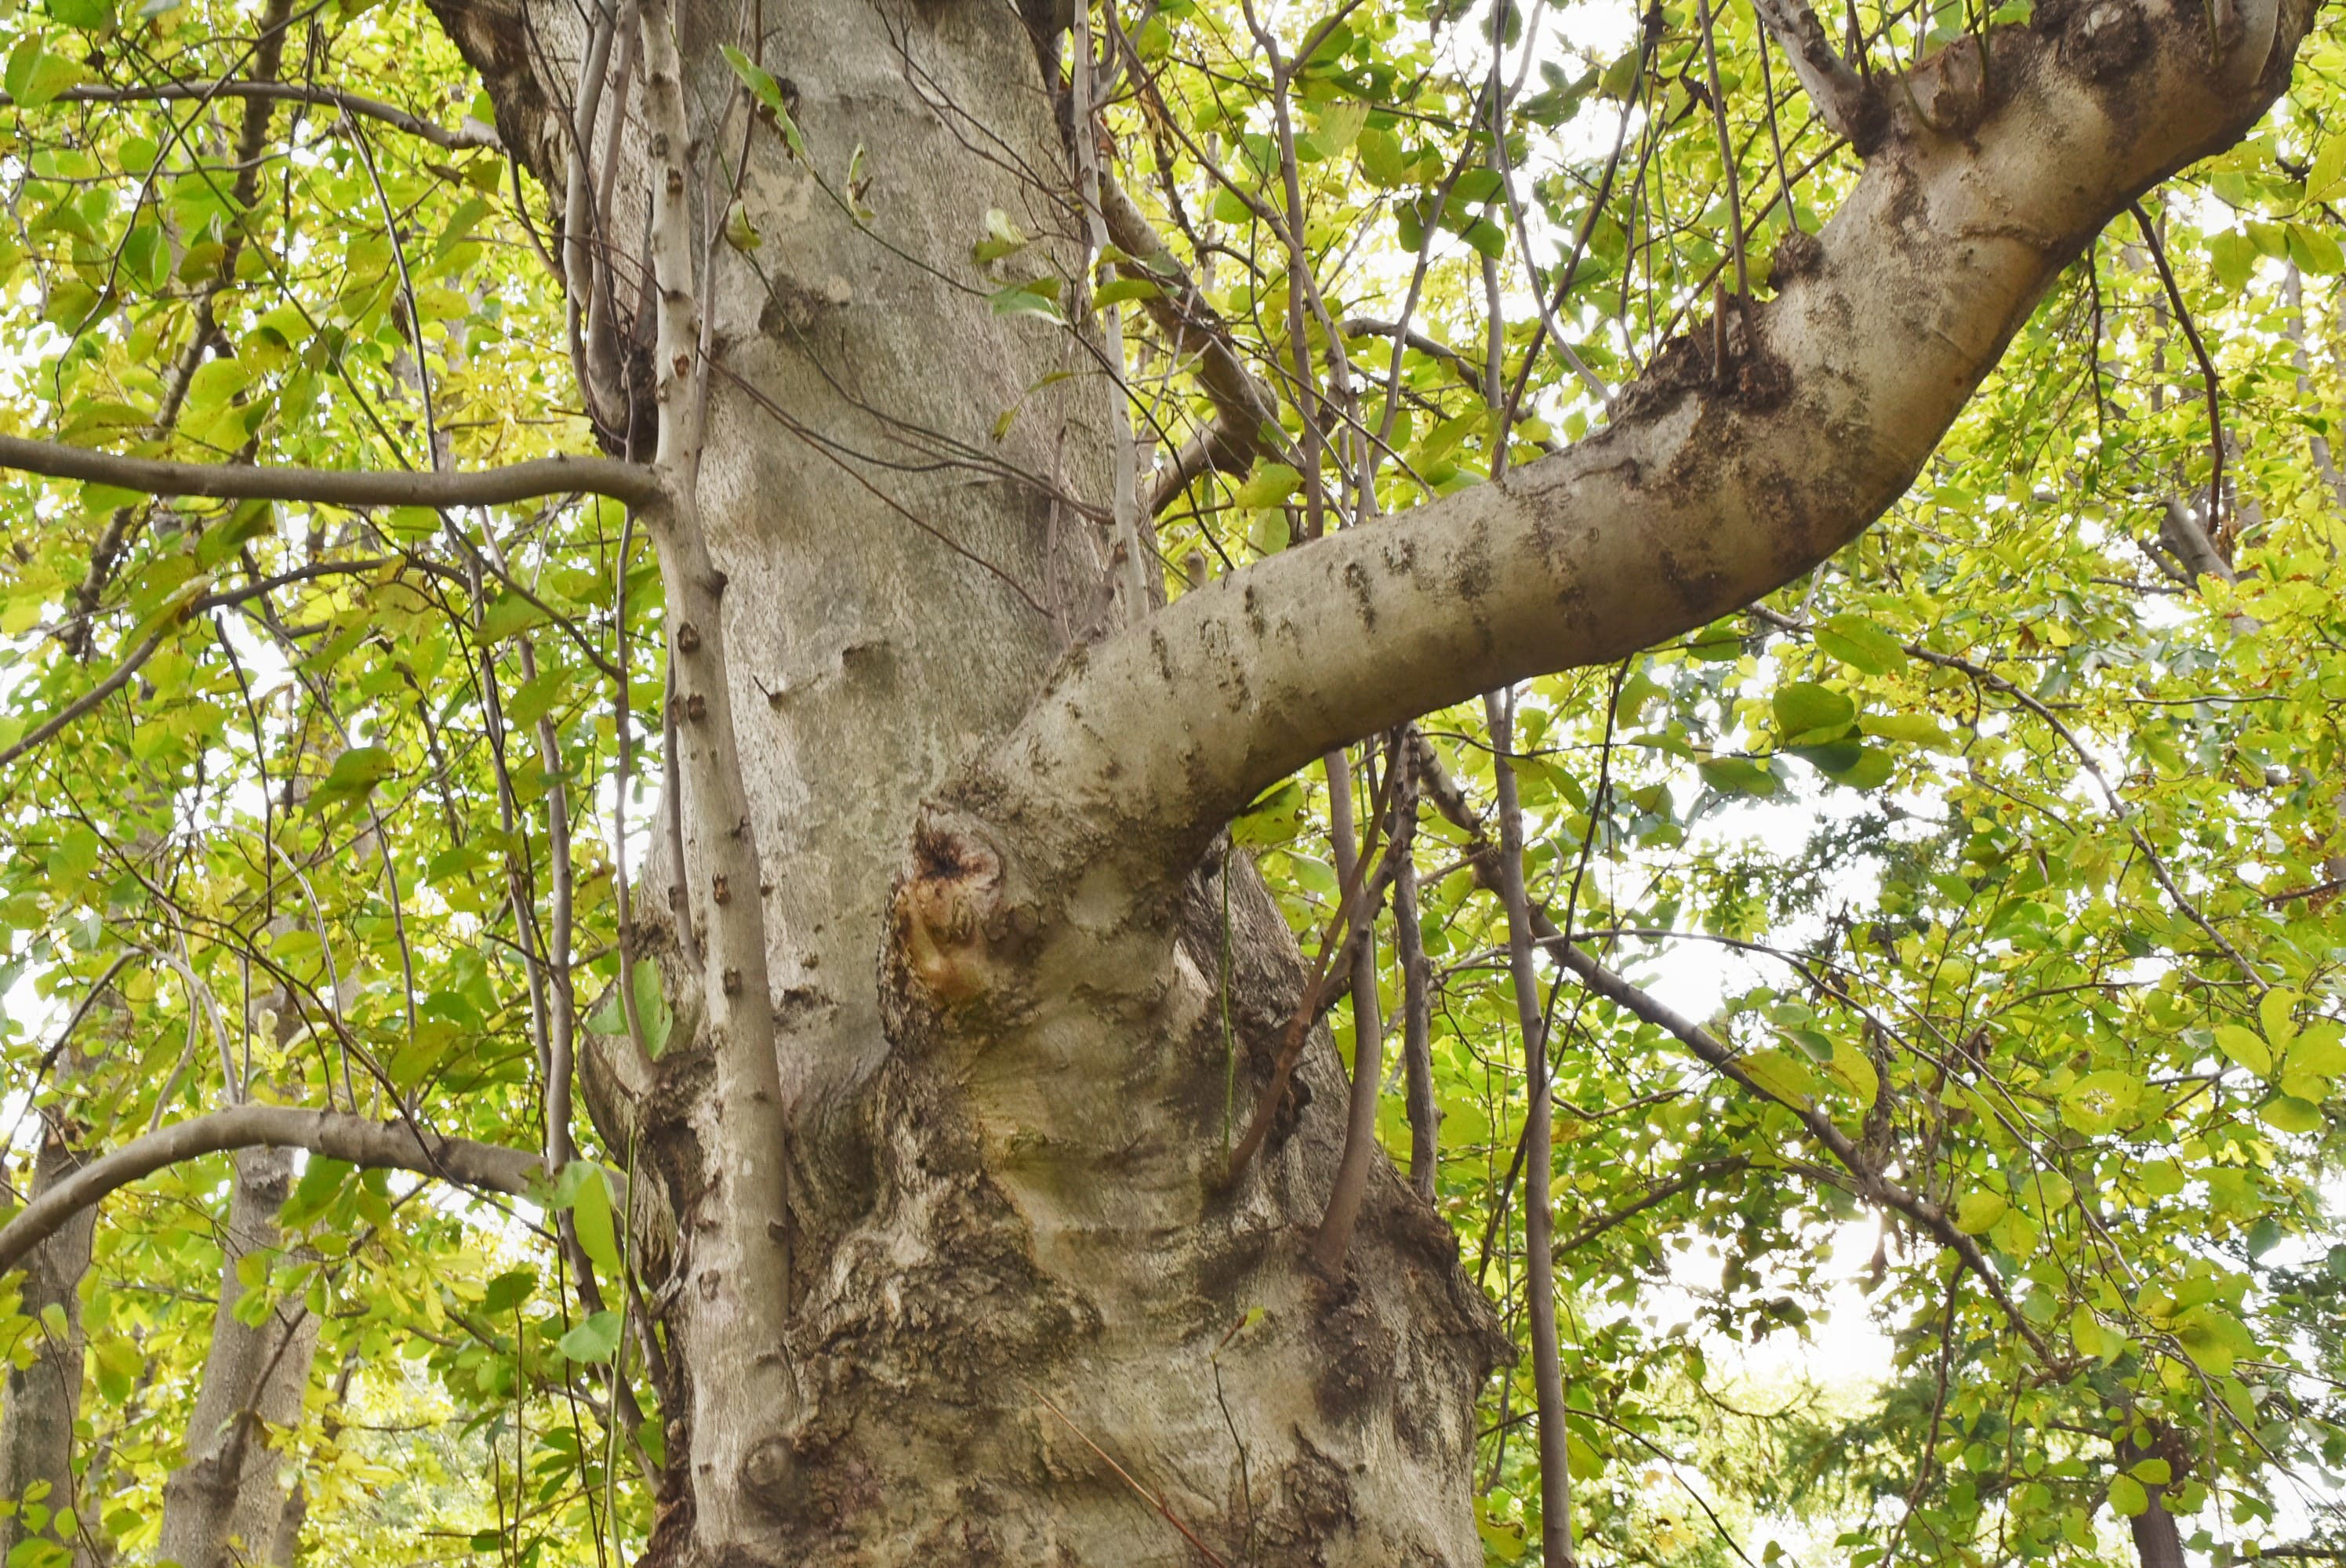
{"x": 44, "y": 1393}
{"x": 1029, "y": 1318}
{"x": 1002, "y": 1277}
{"x": 225, "y": 1504}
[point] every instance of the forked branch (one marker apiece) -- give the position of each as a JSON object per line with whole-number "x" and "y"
{"x": 1698, "y": 499}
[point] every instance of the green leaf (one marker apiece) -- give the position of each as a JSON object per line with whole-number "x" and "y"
{"x": 33, "y": 77}
{"x": 508, "y": 1291}
{"x": 1037, "y": 297}
{"x": 355, "y": 773}
{"x": 1736, "y": 776}
{"x": 769, "y": 94}
{"x": 591, "y": 1214}
{"x": 1806, "y": 712}
{"x": 1117, "y": 290}
{"x": 1909, "y": 728}
{"x": 509, "y": 615}
{"x": 1978, "y": 1211}
{"x": 2245, "y": 1048}
{"x": 2314, "y": 249}
{"x": 594, "y": 1341}
{"x": 2329, "y": 166}
{"x": 536, "y": 698}
{"x": 2277, "y": 1012}
{"x": 2213, "y": 1338}
{"x": 1269, "y": 485}
{"x": 1339, "y": 124}
{"x": 1867, "y": 769}
{"x": 118, "y": 1361}
{"x": 1382, "y": 158}
{"x": 2233, "y": 256}
{"x": 2127, "y": 1498}
{"x": 2289, "y": 1115}
{"x": 1855, "y": 640}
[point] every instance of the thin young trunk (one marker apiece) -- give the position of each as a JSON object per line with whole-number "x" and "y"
{"x": 223, "y": 1505}
{"x": 1417, "y": 1004}
{"x": 44, "y": 1393}
{"x": 1539, "y": 1153}
{"x": 2157, "y": 1540}
{"x": 1335, "y": 1234}
{"x": 2293, "y": 293}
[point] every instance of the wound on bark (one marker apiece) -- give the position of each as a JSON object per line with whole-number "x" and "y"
{"x": 945, "y": 908}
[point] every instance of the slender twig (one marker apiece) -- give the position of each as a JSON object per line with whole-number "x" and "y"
{"x": 2207, "y": 368}
{"x": 1153, "y": 1499}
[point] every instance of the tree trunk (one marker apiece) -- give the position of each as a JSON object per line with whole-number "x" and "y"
{"x": 224, "y": 1505}
{"x": 44, "y": 1394}
{"x": 1029, "y": 1314}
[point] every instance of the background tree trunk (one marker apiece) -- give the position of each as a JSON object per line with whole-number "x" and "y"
{"x": 224, "y": 1505}
{"x": 44, "y": 1396}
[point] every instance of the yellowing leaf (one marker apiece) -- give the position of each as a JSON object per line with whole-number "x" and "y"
{"x": 2289, "y": 1116}
{"x": 1782, "y": 1075}
{"x": 2277, "y": 1013}
{"x": 1979, "y": 1211}
{"x": 1269, "y": 485}
{"x": 2095, "y": 1102}
{"x": 1856, "y": 1072}
{"x": 2244, "y": 1048}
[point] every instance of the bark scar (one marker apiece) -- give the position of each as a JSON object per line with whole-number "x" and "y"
{"x": 947, "y": 910}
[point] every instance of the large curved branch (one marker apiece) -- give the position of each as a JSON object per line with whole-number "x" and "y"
{"x": 1714, "y": 485}
{"x": 629, "y": 482}
{"x": 335, "y": 1135}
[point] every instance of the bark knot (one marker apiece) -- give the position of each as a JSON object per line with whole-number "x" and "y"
{"x": 948, "y": 910}
{"x": 1949, "y": 90}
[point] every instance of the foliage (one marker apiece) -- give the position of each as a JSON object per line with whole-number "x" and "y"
{"x": 2001, "y": 843}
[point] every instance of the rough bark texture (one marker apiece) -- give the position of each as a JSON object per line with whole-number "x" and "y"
{"x": 44, "y": 1395}
{"x": 225, "y": 1504}
{"x": 1012, "y": 1256}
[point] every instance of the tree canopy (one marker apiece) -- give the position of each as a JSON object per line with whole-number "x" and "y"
{"x": 1979, "y": 889}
